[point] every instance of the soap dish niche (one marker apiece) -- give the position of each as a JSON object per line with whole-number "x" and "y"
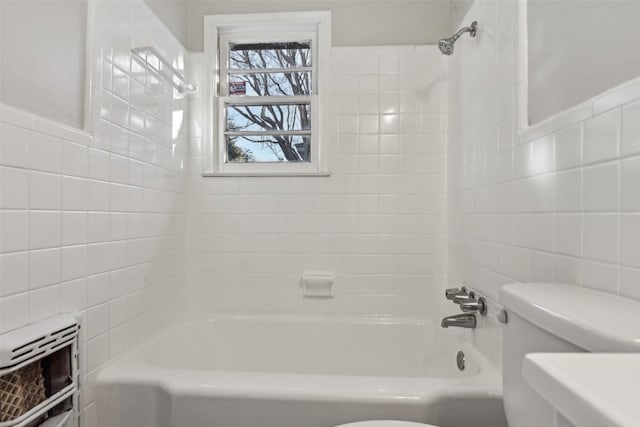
{"x": 39, "y": 374}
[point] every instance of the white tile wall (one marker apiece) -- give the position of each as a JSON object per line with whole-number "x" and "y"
{"x": 96, "y": 225}
{"x": 378, "y": 222}
{"x": 565, "y": 197}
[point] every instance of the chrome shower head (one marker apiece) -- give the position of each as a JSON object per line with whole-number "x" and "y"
{"x": 446, "y": 45}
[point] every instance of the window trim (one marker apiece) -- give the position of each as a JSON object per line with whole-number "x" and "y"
{"x": 270, "y": 26}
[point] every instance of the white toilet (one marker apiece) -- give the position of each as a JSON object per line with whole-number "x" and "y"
{"x": 551, "y": 318}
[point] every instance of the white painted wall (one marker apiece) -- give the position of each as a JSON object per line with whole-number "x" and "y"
{"x": 173, "y": 13}
{"x": 378, "y": 221}
{"x": 578, "y": 49}
{"x": 355, "y": 22}
{"x": 42, "y": 57}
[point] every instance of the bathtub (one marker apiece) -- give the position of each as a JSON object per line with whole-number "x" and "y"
{"x": 299, "y": 371}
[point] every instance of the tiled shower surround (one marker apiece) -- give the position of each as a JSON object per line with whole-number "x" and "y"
{"x": 378, "y": 221}
{"x": 558, "y": 201}
{"x": 94, "y": 223}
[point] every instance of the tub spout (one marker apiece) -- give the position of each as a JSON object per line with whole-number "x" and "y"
{"x": 464, "y": 320}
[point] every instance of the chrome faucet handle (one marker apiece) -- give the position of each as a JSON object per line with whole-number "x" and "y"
{"x": 479, "y": 306}
{"x": 462, "y": 298}
{"x": 451, "y": 293}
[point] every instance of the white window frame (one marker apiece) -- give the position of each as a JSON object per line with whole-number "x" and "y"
{"x": 219, "y": 30}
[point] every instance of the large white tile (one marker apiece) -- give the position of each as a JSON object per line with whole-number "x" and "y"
{"x": 630, "y": 240}
{"x": 631, "y": 129}
{"x": 74, "y": 193}
{"x": 568, "y": 191}
{"x": 74, "y": 262}
{"x": 568, "y": 234}
{"x": 601, "y": 237}
{"x": 14, "y": 312}
{"x": 45, "y": 229}
{"x": 45, "y": 152}
{"x": 601, "y": 137}
{"x": 630, "y": 283}
{"x": 14, "y": 231}
{"x": 601, "y": 188}
{"x": 14, "y": 188}
{"x": 45, "y": 191}
{"x": 603, "y": 277}
{"x": 14, "y": 146}
{"x": 75, "y": 159}
{"x": 43, "y": 303}
{"x": 568, "y": 146}
{"x": 630, "y": 184}
{"x": 44, "y": 268}
{"x": 74, "y": 228}
{"x": 14, "y": 273}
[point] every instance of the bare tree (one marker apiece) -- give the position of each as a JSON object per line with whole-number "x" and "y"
{"x": 276, "y": 117}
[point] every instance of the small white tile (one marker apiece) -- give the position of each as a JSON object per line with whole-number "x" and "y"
{"x": 97, "y": 320}
{"x": 14, "y": 273}
{"x": 44, "y": 229}
{"x": 14, "y": 188}
{"x": 74, "y": 262}
{"x": 45, "y": 152}
{"x": 631, "y": 129}
{"x": 630, "y": 240}
{"x": 630, "y": 183}
{"x": 14, "y": 146}
{"x": 73, "y": 295}
{"x": 14, "y": 231}
{"x": 98, "y": 196}
{"x": 600, "y": 276}
{"x": 567, "y": 270}
{"x": 74, "y": 193}
{"x": 568, "y": 191}
{"x": 99, "y": 165}
{"x": 44, "y": 268}
{"x": 568, "y": 234}
{"x": 568, "y": 146}
{"x": 75, "y": 159}
{"x": 74, "y": 228}
{"x": 601, "y": 188}
{"x": 45, "y": 191}
{"x": 630, "y": 283}
{"x": 601, "y": 137}
{"x": 98, "y": 227}
{"x": 14, "y": 311}
{"x": 601, "y": 237}
{"x": 97, "y": 351}
{"x": 97, "y": 289}
{"x": 43, "y": 303}
{"x": 98, "y": 258}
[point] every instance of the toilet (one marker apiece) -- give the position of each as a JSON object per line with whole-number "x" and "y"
{"x": 550, "y": 318}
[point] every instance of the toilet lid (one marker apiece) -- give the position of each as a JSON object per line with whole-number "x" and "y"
{"x": 386, "y": 423}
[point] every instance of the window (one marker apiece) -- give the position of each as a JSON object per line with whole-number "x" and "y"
{"x": 266, "y": 75}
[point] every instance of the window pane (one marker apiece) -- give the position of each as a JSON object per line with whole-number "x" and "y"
{"x": 270, "y": 55}
{"x": 268, "y": 149}
{"x": 270, "y": 84}
{"x": 278, "y": 117}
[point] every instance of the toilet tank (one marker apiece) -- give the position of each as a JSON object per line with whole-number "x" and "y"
{"x": 552, "y": 318}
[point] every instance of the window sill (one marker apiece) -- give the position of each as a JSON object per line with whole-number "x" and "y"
{"x": 266, "y": 175}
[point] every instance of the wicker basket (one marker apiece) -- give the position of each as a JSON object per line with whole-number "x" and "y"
{"x": 21, "y": 391}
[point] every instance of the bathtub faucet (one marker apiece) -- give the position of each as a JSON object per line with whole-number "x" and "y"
{"x": 464, "y": 320}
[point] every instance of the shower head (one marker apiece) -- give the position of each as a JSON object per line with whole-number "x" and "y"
{"x": 446, "y": 45}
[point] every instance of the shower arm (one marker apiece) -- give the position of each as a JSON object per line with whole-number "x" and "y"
{"x": 471, "y": 30}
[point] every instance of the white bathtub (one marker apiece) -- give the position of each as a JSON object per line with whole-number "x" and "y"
{"x": 299, "y": 371}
